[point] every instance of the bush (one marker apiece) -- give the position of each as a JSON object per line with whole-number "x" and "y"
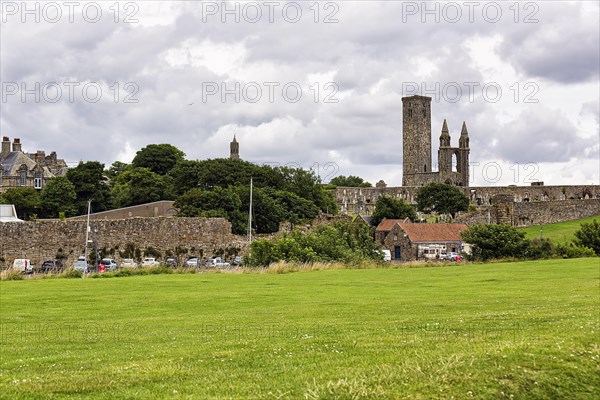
{"x": 344, "y": 241}
{"x": 71, "y": 273}
{"x": 573, "y": 251}
{"x": 589, "y": 236}
{"x": 539, "y": 248}
{"x": 495, "y": 242}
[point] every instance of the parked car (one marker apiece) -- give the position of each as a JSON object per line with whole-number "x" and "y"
{"x": 237, "y": 260}
{"x": 107, "y": 264}
{"x": 453, "y": 256}
{"x": 217, "y": 262}
{"x": 192, "y": 262}
{"x": 51, "y": 266}
{"x": 24, "y": 265}
{"x": 128, "y": 263}
{"x": 149, "y": 262}
{"x": 81, "y": 265}
{"x": 171, "y": 262}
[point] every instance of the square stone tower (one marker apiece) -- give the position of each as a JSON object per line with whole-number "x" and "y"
{"x": 416, "y": 138}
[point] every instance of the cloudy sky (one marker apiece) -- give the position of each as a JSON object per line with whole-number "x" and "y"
{"x": 316, "y": 84}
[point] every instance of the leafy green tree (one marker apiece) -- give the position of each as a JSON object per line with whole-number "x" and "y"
{"x": 297, "y": 209}
{"x": 267, "y": 213}
{"x": 26, "y": 201}
{"x": 349, "y": 181}
{"x": 441, "y": 198}
{"x": 139, "y": 186}
{"x": 589, "y": 236}
{"x": 116, "y": 169}
{"x": 90, "y": 184}
{"x": 392, "y": 208}
{"x": 58, "y": 196}
{"x": 158, "y": 158}
{"x": 495, "y": 241}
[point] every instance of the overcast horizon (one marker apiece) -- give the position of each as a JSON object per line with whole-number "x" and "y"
{"x": 309, "y": 84}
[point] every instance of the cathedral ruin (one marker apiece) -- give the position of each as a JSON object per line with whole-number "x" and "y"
{"x": 416, "y": 147}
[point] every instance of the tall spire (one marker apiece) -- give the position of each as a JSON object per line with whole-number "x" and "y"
{"x": 445, "y": 136}
{"x": 463, "y": 142}
{"x": 234, "y": 149}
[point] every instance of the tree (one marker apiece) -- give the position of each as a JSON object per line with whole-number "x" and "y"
{"x": 58, "y": 196}
{"x": 90, "y": 184}
{"x": 116, "y": 169}
{"x": 158, "y": 158}
{"x": 139, "y": 186}
{"x": 26, "y": 201}
{"x": 441, "y": 198}
{"x": 391, "y": 208}
{"x": 349, "y": 181}
{"x": 589, "y": 236}
{"x": 296, "y": 208}
{"x": 495, "y": 241}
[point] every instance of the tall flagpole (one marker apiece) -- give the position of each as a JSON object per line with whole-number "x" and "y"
{"x": 250, "y": 215}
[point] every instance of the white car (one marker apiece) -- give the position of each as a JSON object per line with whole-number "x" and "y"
{"x": 128, "y": 263}
{"x": 217, "y": 262}
{"x": 81, "y": 265}
{"x": 24, "y": 265}
{"x": 149, "y": 262}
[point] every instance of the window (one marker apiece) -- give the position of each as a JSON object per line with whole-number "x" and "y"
{"x": 1, "y": 173}
{"x": 37, "y": 182}
{"x": 23, "y": 178}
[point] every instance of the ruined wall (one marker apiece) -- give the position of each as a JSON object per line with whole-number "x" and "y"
{"x": 532, "y": 213}
{"x": 41, "y": 240}
{"x": 548, "y": 212}
{"x": 362, "y": 200}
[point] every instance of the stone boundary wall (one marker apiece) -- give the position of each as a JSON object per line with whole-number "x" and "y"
{"x": 549, "y": 212}
{"x": 532, "y": 213}
{"x": 362, "y": 200}
{"x": 41, "y": 240}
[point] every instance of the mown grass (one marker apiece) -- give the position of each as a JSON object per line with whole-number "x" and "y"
{"x": 560, "y": 232}
{"x": 503, "y": 330}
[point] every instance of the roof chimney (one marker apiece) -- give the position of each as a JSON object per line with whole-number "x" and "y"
{"x": 16, "y": 144}
{"x": 5, "y": 146}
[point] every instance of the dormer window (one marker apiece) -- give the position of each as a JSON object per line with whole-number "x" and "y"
{"x": 37, "y": 181}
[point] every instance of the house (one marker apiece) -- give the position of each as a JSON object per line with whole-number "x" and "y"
{"x": 408, "y": 241}
{"x": 19, "y": 169}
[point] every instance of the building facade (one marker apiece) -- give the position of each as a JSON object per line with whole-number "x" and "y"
{"x": 20, "y": 169}
{"x": 408, "y": 242}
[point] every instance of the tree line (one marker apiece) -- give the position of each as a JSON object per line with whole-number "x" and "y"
{"x": 214, "y": 187}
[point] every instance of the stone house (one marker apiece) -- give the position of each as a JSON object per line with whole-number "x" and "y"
{"x": 407, "y": 241}
{"x": 19, "y": 169}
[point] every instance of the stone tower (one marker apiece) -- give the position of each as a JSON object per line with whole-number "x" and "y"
{"x": 463, "y": 155}
{"x": 234, "y": 149}
{"x": 416, "y": 138}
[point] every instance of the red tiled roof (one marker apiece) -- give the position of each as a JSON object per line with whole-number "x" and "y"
{"x": 433, "y": 232}
{"x": 387, "y": 224}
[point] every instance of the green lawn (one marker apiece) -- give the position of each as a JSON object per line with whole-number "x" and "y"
{"x": 527, "y": 330}
{"x": 559, "y": 232}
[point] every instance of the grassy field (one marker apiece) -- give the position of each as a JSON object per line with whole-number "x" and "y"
{"x": 559, "y": 232}
{"x": 527, "y": 330}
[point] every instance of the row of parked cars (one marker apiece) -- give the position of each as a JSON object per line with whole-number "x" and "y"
{"x": 108, "y": 264}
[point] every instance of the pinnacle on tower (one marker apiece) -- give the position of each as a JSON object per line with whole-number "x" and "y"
{"x": 445, "y": 136}
{"x": 463, "y": 142}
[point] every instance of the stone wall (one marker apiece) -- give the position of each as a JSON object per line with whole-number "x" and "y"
{"x": 362, "y": 200}
{"x": 532, "y": 213}
{"x": 42, "y": 240}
